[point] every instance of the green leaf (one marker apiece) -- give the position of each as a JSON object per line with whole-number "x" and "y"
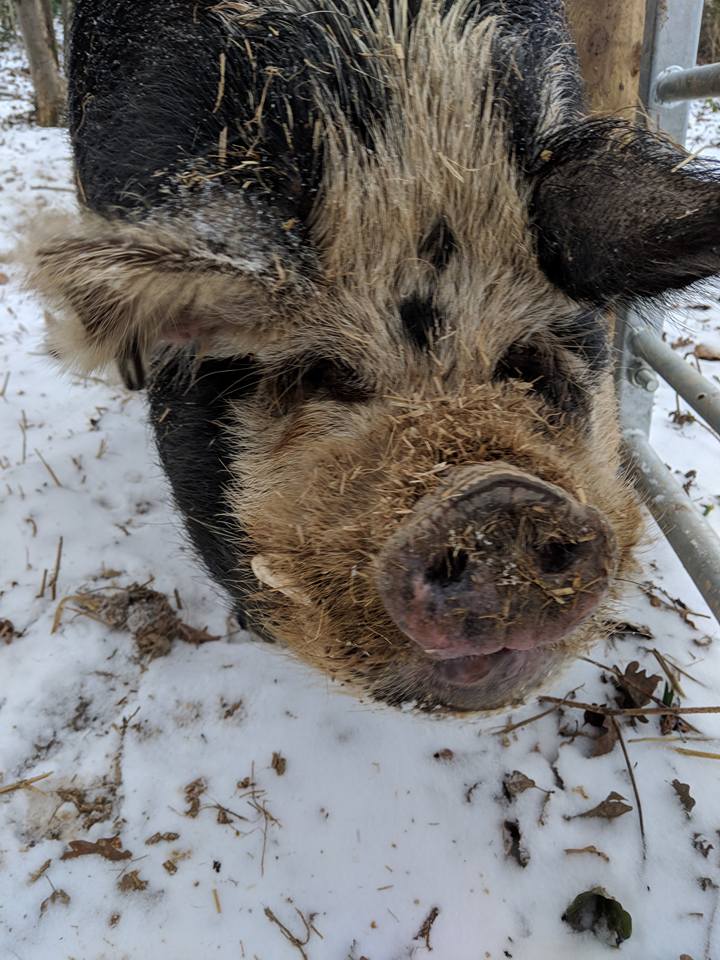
{"x": 595, "y": 911}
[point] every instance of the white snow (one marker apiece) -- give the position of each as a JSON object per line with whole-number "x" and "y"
{"x": 380, "y": 815}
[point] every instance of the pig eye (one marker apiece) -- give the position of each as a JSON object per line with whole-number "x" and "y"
{"x": 546, "y": 373}
{"x": 318, "y": 379}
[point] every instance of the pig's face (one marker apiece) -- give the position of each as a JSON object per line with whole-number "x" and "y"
{"x": 427, "y": 469}
{"x": 428, "y": 472}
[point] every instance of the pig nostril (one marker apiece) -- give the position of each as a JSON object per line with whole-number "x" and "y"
{"x": 448, "y": 568}
{"x": 557, "y": 557}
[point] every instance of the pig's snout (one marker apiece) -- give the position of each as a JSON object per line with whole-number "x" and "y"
{"x": 497, "y": 560}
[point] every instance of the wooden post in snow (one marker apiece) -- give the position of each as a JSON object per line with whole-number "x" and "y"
{"x": 39, "y": 39}
{"x": 609, "y": 37}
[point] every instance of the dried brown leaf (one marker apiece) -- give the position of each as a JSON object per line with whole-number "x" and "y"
{"x": 110, "y": 848}
{"x": 636, "y": 687}
{"x": 193, "y": 792}
{"x": 704, "y": 351}
{"x": 515, "y": 783}
{"x": 279, "y": 763}
{"x": 132, "y": 881}
{"x": 162, "y": 838}
{"x": 57, "y": 896}
{"x": 589, "y": 849}
{"x": 683, "y": 792}
{"x": 611, "y": 807}
{"x": 607, "y": 739}
{"x": 702, "y": 845}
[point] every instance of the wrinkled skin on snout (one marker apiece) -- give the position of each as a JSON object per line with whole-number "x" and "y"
{"x": 366, "y": 264}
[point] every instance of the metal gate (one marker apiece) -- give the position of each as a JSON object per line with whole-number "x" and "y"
{"x": 668, "y": 80}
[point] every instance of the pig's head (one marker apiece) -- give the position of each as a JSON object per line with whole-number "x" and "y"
{"x": 427, "y": 468}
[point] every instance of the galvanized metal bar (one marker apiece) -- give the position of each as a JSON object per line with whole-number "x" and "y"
{"x": 675, "y": 84}
{"x": 675, "y": 43}
{"x": 691, "y": 538}
{"x": 635, "y": 381}
{"x": 695, "y": 389}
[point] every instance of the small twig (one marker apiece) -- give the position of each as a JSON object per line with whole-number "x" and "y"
{"x": 48, "y": 467}
{"x": 3, "y": 389}
{"x": 621, "y": 741}
{"x": 216, "y": 898}
{"x": 630, "y": 711}
{"x": 523, "y": 723}
{"x": 424, "y": 931}
{"x": 289, "y": 935}
{"x": 24, "y": 784}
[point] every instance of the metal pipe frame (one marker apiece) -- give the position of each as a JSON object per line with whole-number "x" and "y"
{"x": 695, "y": 389}
{"x": 697, "y": 548}
{"x": 669, "y": 78}
{"x": 675, "y": 85}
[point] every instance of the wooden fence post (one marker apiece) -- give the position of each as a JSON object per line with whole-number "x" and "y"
{"x": 609, "y": 36}
{"x": 39, "y": 38}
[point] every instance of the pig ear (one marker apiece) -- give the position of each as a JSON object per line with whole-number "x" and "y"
{"x": 121, "y": 289}
{"x": 622, "y": 213}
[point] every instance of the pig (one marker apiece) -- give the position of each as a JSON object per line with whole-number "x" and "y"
{"x": 364, "y": 256}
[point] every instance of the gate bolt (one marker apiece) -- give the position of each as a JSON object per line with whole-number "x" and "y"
{"x": 643, "y": 376}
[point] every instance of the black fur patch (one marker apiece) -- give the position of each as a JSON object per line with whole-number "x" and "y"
{"x": 188, "y": 411}
{"x": 420, "y": 320}
{"x": 439, "y": 245}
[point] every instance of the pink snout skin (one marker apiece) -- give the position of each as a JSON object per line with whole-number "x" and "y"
{"x": 441, "y": 643}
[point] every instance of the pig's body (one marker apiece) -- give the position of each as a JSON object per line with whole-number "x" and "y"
{"x": 391, "y": 236}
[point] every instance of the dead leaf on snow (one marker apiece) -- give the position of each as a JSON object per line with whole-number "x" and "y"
{"x": 515, "y": 783}
{"x": 513, "y": 841}
{"x": 146, "y": 613}
{"x": 608, "y": 736}
{"x": 57, "y": 896}
{"x": 279, "y": 763}
{"x": 108, "y": 847}
{"x": 589, "y": 849}
{"x": 193, "y": 792}
{"x": 635, "y": 686}
{"x": 7, "y": 631}
{"x": 131, "y": 881}
{"x": 683, "y": 792}
{"x": 612, "y": 806}
{"x": 34, "y": 877}
{"x": 162, "y": 838}
{"x": 705, "y": 352}
{"x": 702, "y": 844}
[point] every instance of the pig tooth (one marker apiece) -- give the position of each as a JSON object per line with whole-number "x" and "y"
{"x": 262, "y": 569}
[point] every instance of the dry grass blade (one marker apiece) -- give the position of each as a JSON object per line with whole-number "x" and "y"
{"x": 56, "y": 570}
{"x": 704, "y": 754}
{"x": 670, "y": 672}
{"x": 47, "y": 466}
{"x": 24, "y": 784}
{"x": 636, "y": 792}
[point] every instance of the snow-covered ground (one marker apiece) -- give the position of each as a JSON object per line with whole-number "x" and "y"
{"x": 223, "y": 801}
